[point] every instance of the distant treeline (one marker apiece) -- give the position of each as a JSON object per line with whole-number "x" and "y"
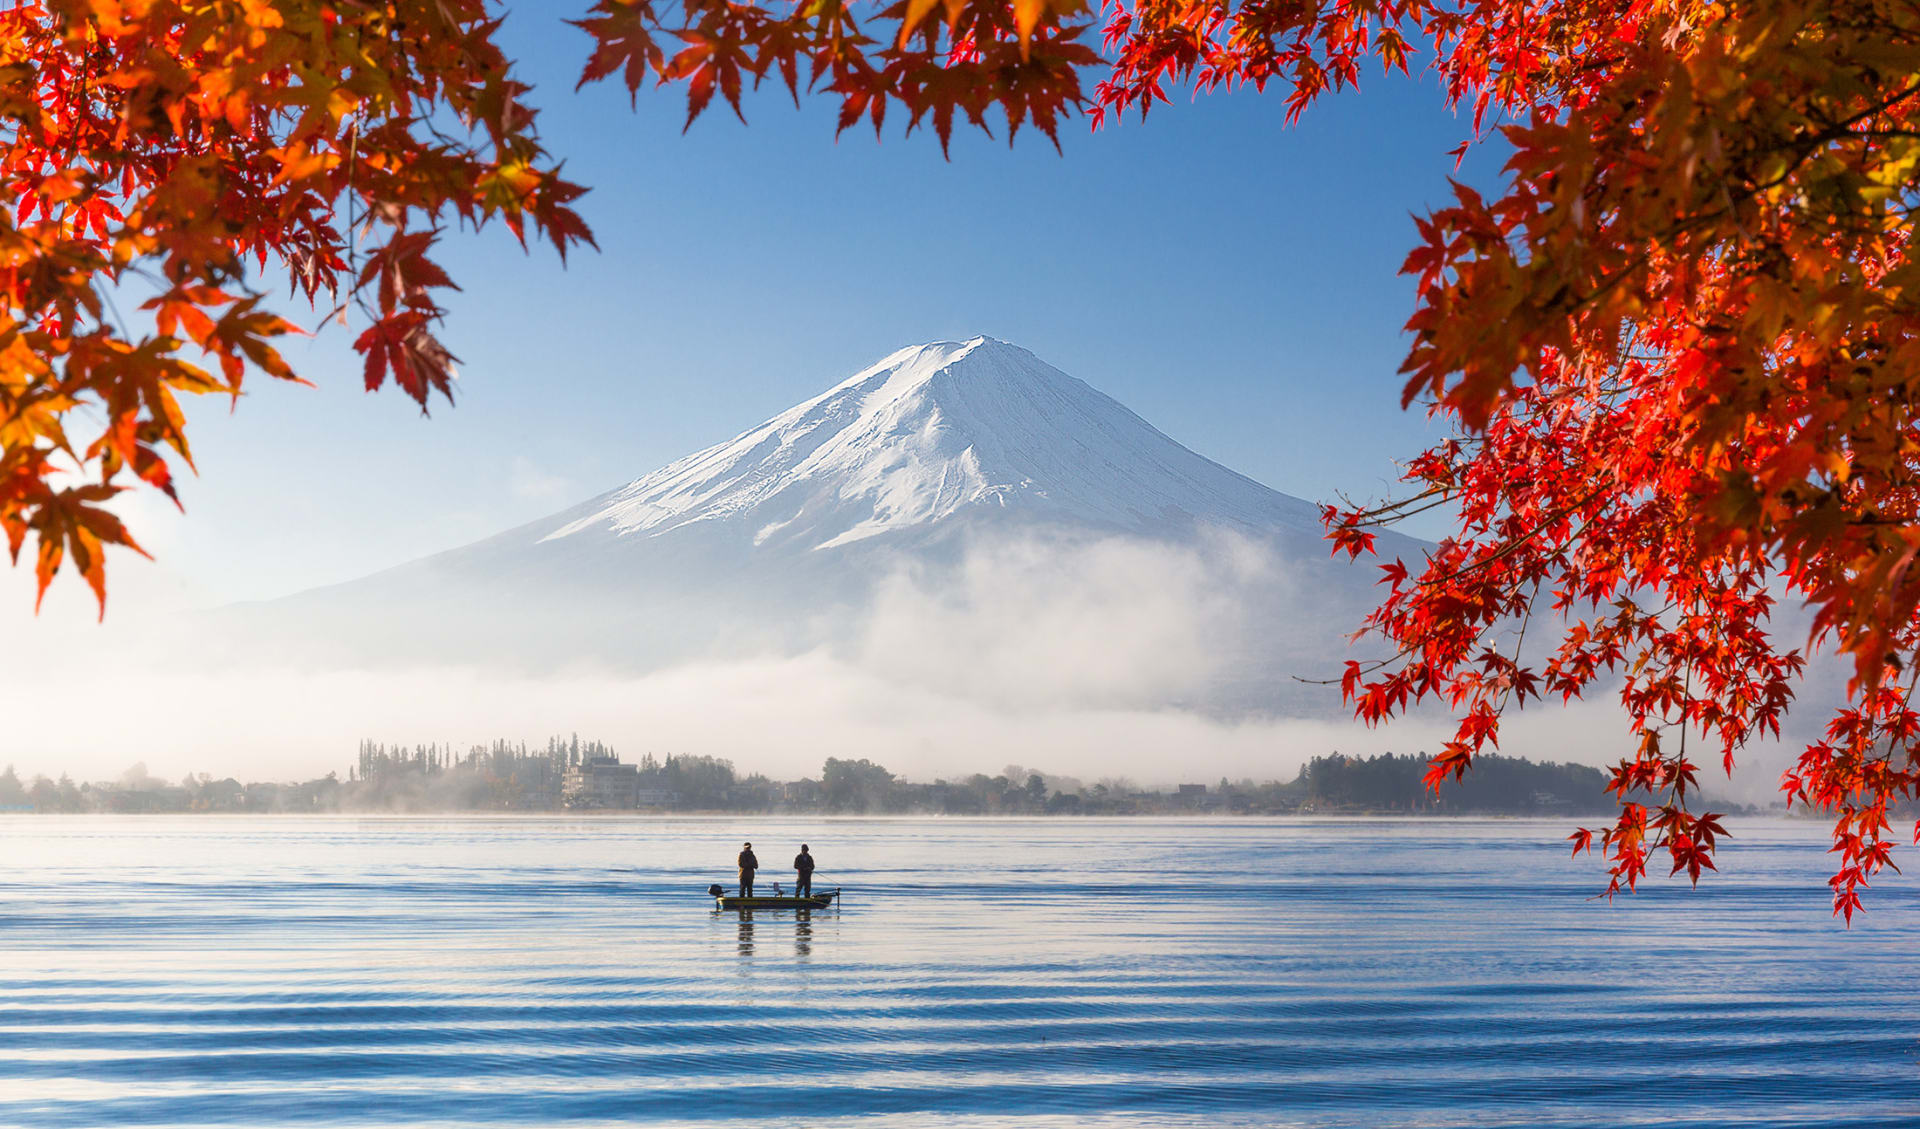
{"x": 567, "y": 774}
{"x": 508, "y": 776}
{"x": 1332, "y": 784}
{"x": 1496, "y": 784}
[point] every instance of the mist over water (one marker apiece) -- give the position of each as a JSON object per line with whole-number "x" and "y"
{"x": 1085, "y": 656}
{"x": 276, "y": 971}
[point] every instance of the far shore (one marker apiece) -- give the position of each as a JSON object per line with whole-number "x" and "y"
{"x": 587, "y": 779}
{"x": 1733, "y": 811}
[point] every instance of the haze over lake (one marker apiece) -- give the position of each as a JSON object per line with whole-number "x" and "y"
{"x": 531, "y": 971}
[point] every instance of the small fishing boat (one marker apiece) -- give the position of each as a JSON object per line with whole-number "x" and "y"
{"x": 821, "y": 900}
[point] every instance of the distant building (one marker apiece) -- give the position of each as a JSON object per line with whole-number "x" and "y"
{"x": 601, "y": 782}
{"x": 1195, "y": 797}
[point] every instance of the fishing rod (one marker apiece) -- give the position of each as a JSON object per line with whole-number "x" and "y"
{"x": 839, "y": 893}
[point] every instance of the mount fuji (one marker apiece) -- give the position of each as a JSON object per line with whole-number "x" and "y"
{"x": 969, "y": 483}
{"x": 935, "y": 433}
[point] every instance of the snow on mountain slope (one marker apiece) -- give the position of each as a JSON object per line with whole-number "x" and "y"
{"x": 961, "y": 515}
{"x": 931, "y": 432}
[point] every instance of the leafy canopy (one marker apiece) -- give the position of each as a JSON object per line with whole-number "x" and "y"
{"x": 1676, "y": 351}
{"x": 173, "y": 148}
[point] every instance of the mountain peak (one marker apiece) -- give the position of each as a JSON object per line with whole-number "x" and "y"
{"x": 967, "y": 469}
{"x": 909, "y": 371}
{"x": 928, "y": 433}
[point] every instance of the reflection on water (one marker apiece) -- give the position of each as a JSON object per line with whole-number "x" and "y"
{"x": 270, "y": 972}
{"x": 801, "y": 919}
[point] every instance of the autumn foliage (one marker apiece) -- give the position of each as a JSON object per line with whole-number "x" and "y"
{"x": 1677, "y": 350}
{"x": 179, "y": 155}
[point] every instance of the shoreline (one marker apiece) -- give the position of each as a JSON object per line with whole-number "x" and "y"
{"x": 877, "y": 817}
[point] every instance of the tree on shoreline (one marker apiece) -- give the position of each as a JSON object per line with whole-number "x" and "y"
{"x": 1677, "y": 352}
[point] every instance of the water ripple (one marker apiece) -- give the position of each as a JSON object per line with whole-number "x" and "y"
{"x": 1410, "y": 974}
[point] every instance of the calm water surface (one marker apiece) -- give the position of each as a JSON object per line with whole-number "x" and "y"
{"x": 284, "y": 971}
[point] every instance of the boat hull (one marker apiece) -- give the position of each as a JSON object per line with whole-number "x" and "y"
{"x": 816, "y": 901}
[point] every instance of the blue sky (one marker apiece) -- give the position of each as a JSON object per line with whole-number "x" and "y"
{"x": 1230, "y": 278}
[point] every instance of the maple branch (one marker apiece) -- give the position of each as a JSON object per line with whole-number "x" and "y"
{"x": 1395, "y": 512}
{"x": 1520, "y": 642}
{"x": 1514, "y": 545}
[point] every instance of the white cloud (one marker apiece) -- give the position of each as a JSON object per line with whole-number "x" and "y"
{"x": 1086, "y": 657}
{"x": 780, "y": 716}
{"x": 1033, "y": 622}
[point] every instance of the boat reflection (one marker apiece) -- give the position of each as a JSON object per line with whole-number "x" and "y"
{"x": 802, "y": 932}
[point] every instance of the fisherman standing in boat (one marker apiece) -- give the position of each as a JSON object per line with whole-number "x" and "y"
{"x": 803, "y": 871}
{"x": 748, "y": 864}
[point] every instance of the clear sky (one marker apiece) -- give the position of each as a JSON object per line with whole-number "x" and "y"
{"x": 1231, "y": 279}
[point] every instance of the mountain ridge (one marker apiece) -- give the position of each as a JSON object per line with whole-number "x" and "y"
{"x": 954, "y": 500}
{"x": 930, "y": 431}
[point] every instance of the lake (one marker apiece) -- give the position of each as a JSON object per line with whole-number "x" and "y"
{"x": 280, "y": 971}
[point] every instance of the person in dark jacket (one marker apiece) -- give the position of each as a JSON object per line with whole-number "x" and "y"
{"x": 748, "y": 864}
{"x": 803, "y": 871}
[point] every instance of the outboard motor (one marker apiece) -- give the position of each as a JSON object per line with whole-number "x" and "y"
{"x": 714, "y": 891}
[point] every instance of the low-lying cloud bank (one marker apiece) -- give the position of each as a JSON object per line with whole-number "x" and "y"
{"x": 1084, "y": 656}
{"x": 1111, "y": 623}
{"x": 778, "y": 716}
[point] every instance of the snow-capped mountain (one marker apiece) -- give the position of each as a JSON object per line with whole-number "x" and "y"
{"x": 933, "y": 432}
{"x": 896, "y": 514}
